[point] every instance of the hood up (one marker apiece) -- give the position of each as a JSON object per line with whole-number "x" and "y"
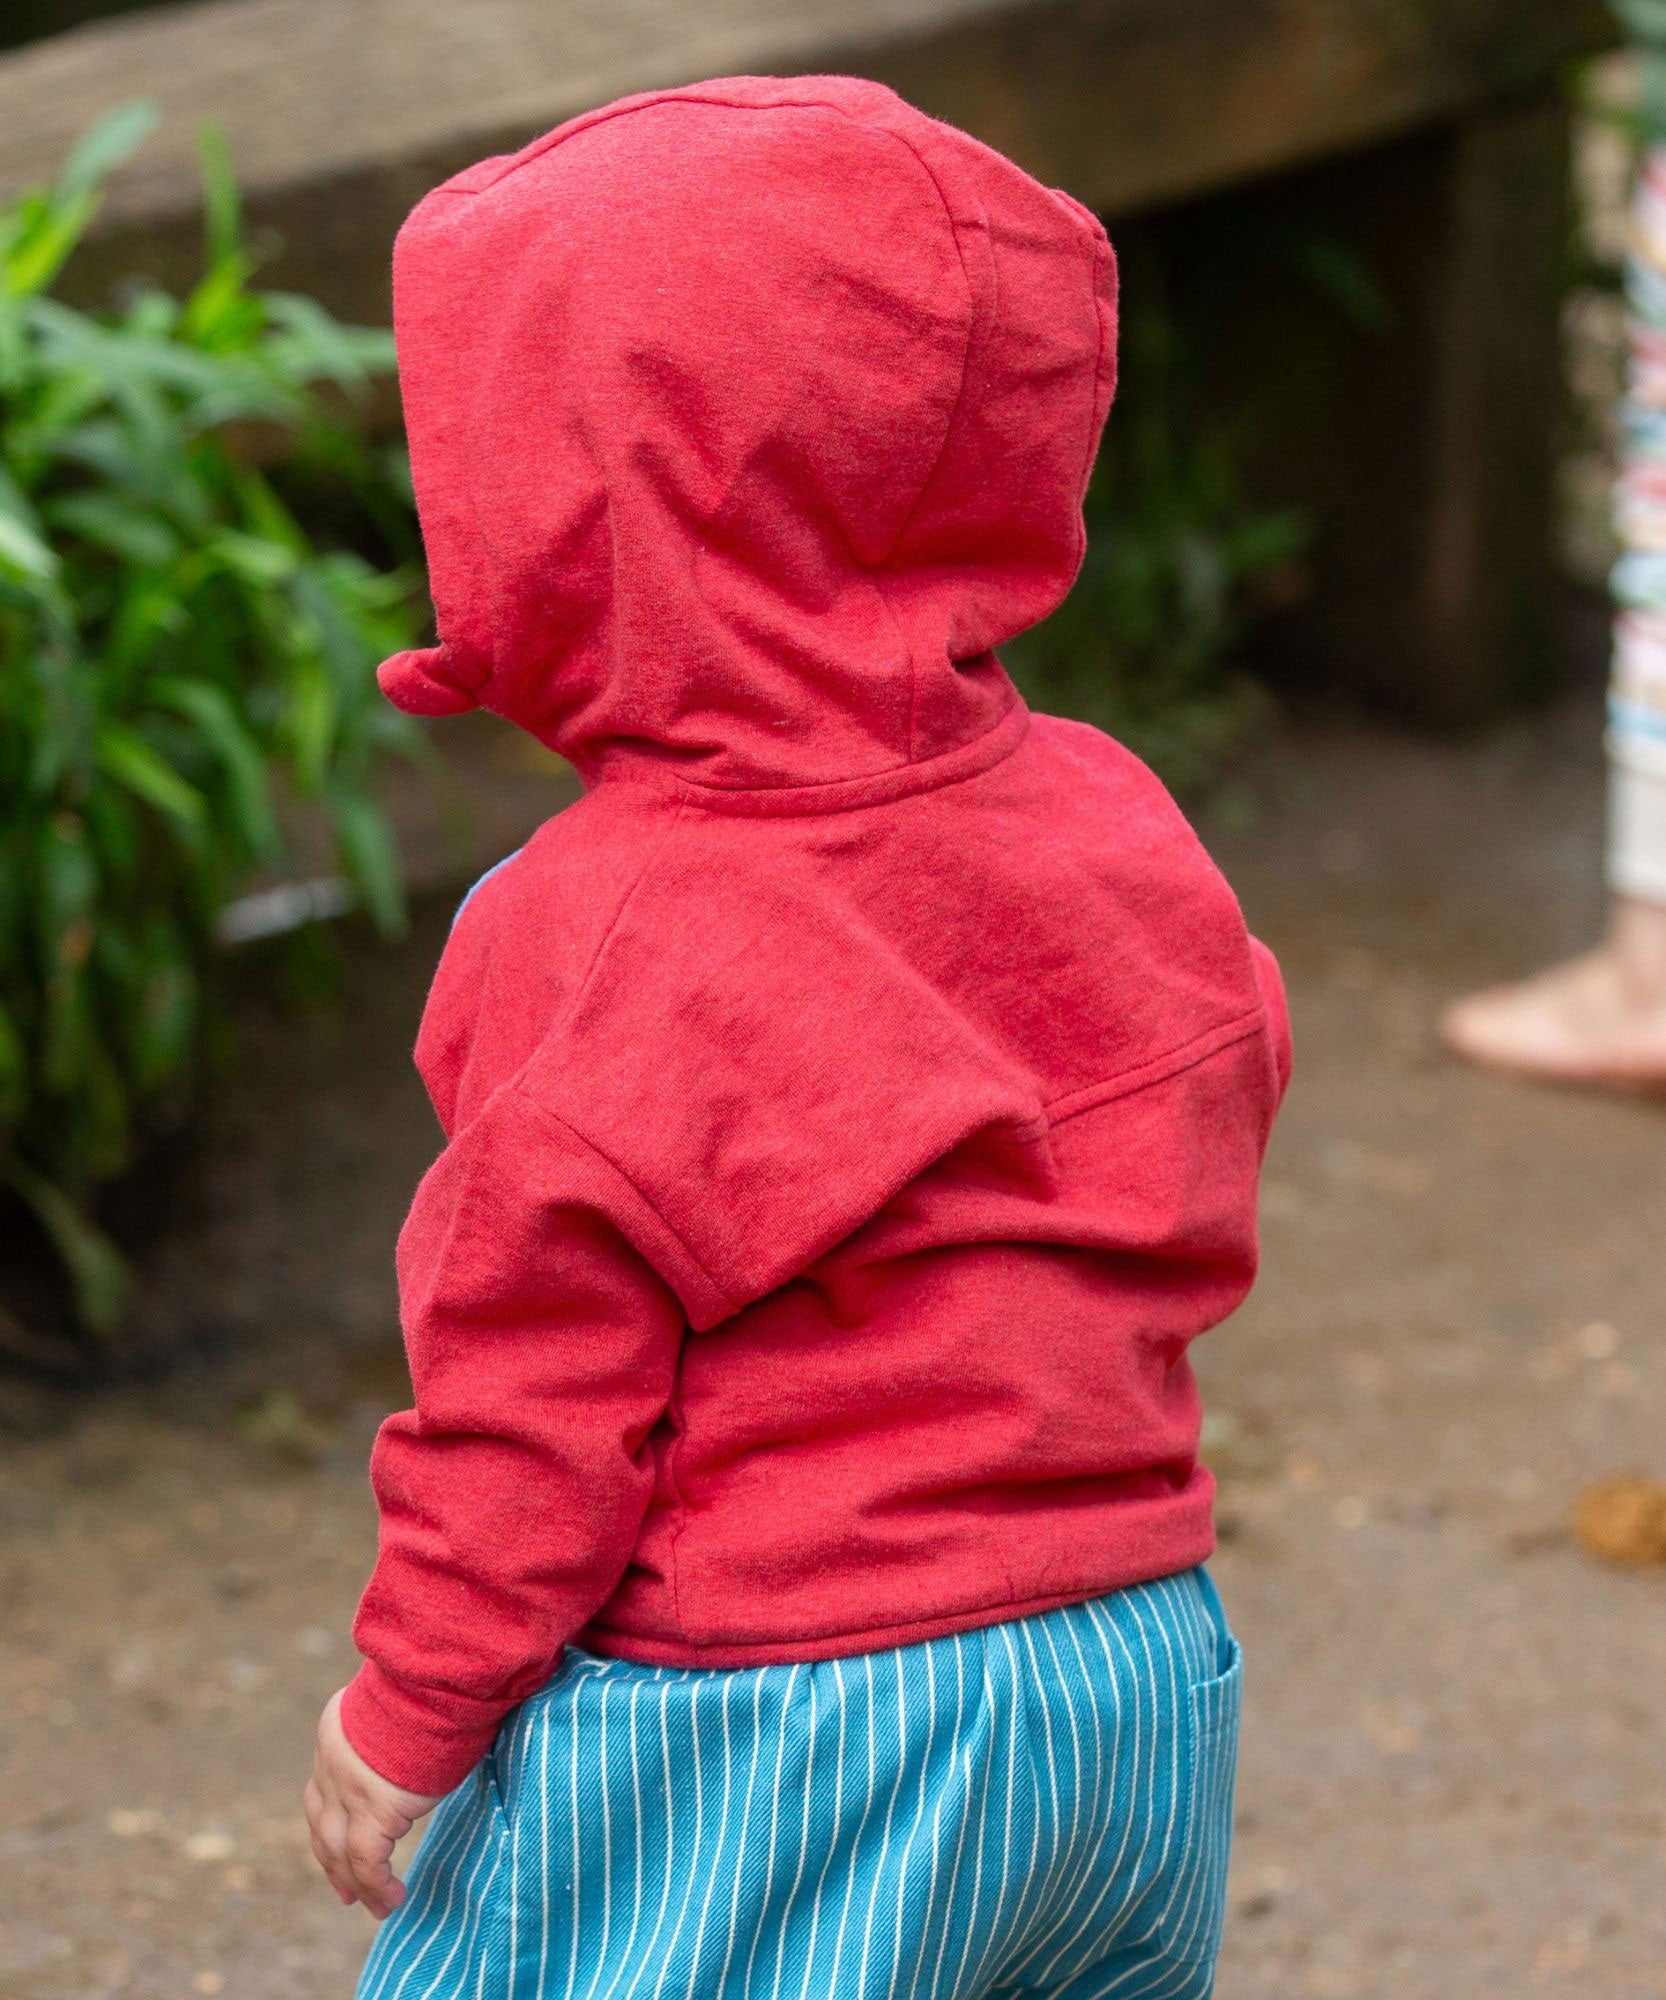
{"x": 745, "y": 420}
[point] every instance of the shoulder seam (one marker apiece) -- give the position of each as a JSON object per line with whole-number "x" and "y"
{"x": 550, "y": 1117}
{"x": 582, "y": 985}
{"x": 1157, "y": 1069}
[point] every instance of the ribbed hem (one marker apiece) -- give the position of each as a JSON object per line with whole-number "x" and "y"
{"x": 1636, "y": 818}
{"x": 399, "y": 1733}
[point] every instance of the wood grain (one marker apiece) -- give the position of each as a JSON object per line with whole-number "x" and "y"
{"x": 1126, "y": 101}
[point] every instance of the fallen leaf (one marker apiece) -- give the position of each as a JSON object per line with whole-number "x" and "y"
{"x": 1623, "y": 1520}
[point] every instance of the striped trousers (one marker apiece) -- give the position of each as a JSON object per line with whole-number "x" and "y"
{"x": 1041, "y": 1807}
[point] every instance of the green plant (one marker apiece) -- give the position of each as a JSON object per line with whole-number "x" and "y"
{"x": 1179, "y": 565}
{"x": 176, "y": 652}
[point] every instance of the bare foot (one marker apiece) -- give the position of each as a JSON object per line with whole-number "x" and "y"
{"x": 1599, "y": 1019}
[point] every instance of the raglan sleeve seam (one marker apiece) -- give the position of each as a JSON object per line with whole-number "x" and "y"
{"x": 718, "y": 1293}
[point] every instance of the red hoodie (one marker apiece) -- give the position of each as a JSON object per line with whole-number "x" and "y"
{"x": 854, "y": 1104}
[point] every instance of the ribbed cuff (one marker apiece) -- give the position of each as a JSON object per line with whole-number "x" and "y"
{"x": 400, "y": 1733}
{"x": 1636, "y": 818}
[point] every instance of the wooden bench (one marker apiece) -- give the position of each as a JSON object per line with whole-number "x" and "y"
{"x": 1434, "y": 489}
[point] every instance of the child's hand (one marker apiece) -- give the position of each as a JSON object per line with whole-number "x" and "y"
{"x": 356, "y": 1816}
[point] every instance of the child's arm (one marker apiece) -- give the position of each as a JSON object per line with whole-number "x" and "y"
{"x": 543, "y": 1351}
{"x": 356, "y": 1818}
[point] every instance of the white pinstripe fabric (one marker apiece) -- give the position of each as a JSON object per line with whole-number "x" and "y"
{"x": 1035, "y": 1808}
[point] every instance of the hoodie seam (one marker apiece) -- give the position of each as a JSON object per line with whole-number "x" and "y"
{"x": 613, "y": 922}
{"x": 1163, "y": 1068}
{"x": 553, "y": 1117}
{"x": 764, "y": 801}
{"x": 951, "y": 423}
{"x": 565, "y": 1016}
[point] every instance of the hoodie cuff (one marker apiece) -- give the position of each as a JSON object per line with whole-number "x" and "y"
{"x": 404, "y": 1736}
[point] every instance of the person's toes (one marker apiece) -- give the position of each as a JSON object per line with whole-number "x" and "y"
{"x": 1510, "y": 1028}
{"x": 1578, "y": 1023}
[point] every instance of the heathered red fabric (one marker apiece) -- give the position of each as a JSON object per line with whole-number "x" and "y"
{"x": 854, "y": 1104}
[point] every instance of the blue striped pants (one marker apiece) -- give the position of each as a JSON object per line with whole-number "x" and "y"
{"x": 1035, "y": 1808}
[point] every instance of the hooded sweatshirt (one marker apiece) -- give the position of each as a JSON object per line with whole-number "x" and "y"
{"x": 854, "y": 1104}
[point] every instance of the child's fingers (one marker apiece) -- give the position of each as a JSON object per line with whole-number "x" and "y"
{"x": 312, "y": 1800}
{"x": 329, "y": 1845}
{"x": 369, "y": 1851}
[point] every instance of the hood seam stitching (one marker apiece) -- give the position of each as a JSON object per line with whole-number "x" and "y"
{"x": 718, "y": 102}
{"x": 711, "y": 798}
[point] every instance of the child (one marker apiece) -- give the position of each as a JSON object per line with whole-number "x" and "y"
{"x": 853, "y": 1107}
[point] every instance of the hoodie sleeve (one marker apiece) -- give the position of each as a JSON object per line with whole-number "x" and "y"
{"x": 543, "y": 1350}
{"x": 1273, "y": 999}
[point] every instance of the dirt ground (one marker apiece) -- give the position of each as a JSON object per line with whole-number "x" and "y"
{"x": 1454, "y": 1767}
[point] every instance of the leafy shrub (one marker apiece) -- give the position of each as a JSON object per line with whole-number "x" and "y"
{"x": 175, "y": 649}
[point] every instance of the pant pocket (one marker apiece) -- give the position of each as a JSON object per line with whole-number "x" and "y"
{"x": 489, "y": 1777}
{"x": 1198, "y": 1907}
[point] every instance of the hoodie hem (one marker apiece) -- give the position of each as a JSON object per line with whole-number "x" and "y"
{"x": 1184, "y": 1547}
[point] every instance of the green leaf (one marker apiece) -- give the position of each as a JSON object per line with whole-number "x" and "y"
{"x": 37, "y": 255}
{"x": 311, "y": 720}
{"x": 371, "y": 860}
{"x": 137, "y": 534}
{"x": 266, "y": 514}
{"x": 151, "y": 314}
{"x": 215, "y": 716}
{"x": 220, "y": 313}
{"x": 14, "y": 345}
{"x": 23, "y": 551}
{"x": 103, "y": 146}
{"x": 97, "y": 1270}
{"x": 113, "y": 825}
{"x": 175, "y": 633}
{"x": 131, "y": 761}
{"x": 66, "y": 399}
{"x": 151, "y": 610}
{"x": 68, "y": 877}
{"x": 312, "y": 345}
{"x": 222, "y": 202}
{"x": 252, "y": 557}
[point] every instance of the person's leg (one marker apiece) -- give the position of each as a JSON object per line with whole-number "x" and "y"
{"x": 1601, "y": 1018}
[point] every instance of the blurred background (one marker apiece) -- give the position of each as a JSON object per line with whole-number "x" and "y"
{"x": 1345, "y": 589}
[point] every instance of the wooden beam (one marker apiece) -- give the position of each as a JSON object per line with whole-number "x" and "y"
{"x": 1421, "y": 445}
{"x": 340, "y": 114}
